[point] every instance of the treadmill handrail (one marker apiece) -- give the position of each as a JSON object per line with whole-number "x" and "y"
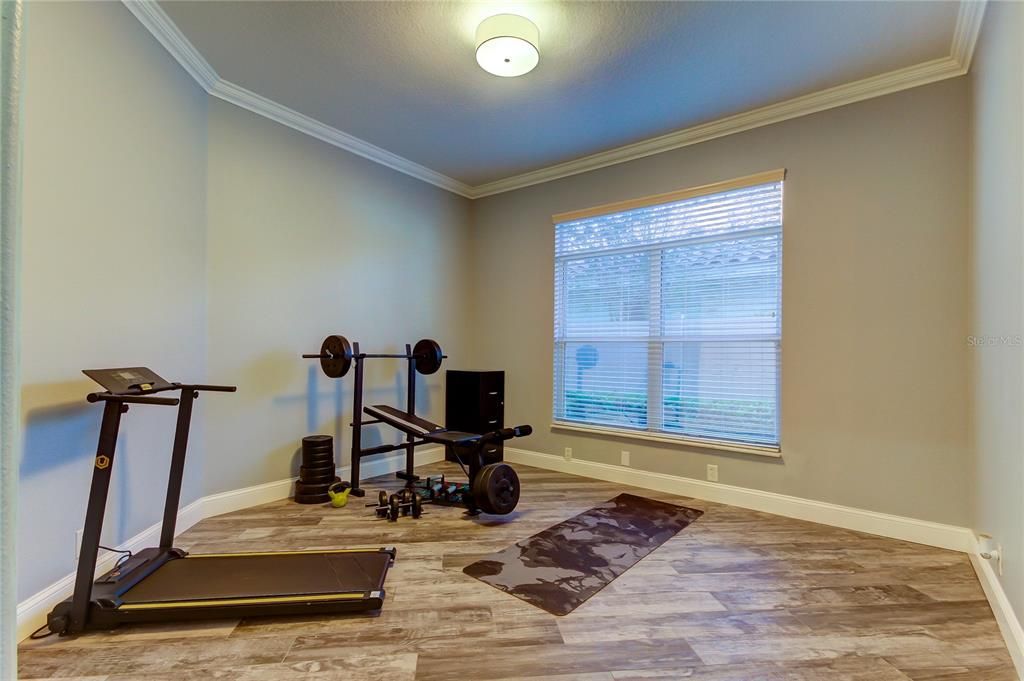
{"x": 195, "y": 387}
{"x": 202, "y": 387}
{"x": 131, "y": 399}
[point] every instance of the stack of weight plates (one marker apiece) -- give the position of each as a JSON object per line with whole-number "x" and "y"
{"x": 316, "y": 473}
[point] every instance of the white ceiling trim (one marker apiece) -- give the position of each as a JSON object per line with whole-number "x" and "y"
{"x": 965, "y": 38}
{"x": 156, "y": 21}
{"x": 968, "y": 28}
{"x": 841, "y": 95}
{"x": 247, "y": 99}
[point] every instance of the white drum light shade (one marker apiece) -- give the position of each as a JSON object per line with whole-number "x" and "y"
{"x": 507, "y": 45}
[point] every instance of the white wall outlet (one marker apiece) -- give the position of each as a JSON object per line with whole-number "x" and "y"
{"x": 78, "y": 542}
{"x": 991, "y": 551}
{"x": 713, "y": 472}
{"x": 625, "y": 458}
{"x": 568, "y": 453}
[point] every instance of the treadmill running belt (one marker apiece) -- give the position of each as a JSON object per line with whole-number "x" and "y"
{"x": 221, "y": 576}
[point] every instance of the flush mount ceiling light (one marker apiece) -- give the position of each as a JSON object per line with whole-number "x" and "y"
{"x": 507, "y": 45}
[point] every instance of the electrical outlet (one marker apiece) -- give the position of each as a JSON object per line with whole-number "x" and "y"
{"x": 568, "y": 453}
{"x": 625, "y": 458}
{"x": 78, "y": 542}
{"x": 713, "y": 472}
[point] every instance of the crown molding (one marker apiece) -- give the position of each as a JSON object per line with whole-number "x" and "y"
{"x": 152, "y": 16}
{"x": 247, "y": 99}
{"x": 156, "y": 21}
{"x": 966, "y": 32}
{"x": 965, "y": 39}
{"x": 876, "y": 86}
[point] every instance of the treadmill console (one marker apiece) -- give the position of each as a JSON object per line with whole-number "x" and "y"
{"x": 128, "y": 380}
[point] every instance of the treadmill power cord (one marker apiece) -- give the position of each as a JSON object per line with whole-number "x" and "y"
{"x": 35, "y": 635}
{"x": 124, "y": 557}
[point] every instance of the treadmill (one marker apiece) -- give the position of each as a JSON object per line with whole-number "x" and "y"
{"x": 164, "y": 583}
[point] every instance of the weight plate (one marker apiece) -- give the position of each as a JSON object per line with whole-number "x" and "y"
{"x": 312, "y": 498}
{"x": 304, "y": 489}
{"x": 496, "y": 489}
{"x": 417, "y": 506}
{"x": 308, "y": 471}
{"x": 428, "y": 356}
{"x": 311, "y": 440}
{"x": 318, "y": 460}
{"x": 317, "y": 479}
{"x": 315, "y": 471}
{"x": 335, "y": 356}
{"x": 319, "y": 449}
{"x": 382, "y": 498}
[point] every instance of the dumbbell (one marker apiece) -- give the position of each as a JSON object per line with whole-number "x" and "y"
{"x": 405, "y": 502}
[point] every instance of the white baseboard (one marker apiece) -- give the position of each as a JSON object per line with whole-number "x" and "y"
{"x": 1009, "y": 624}
{"x": 32, "y": 611}
{"x": 847, "y": 517}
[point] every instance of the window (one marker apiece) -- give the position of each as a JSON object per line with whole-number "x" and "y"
{"x": 668, "y": 314}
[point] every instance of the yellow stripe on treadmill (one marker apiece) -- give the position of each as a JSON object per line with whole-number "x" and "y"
{"x": 279, "y": 553}
{"x": 264, "y": 600}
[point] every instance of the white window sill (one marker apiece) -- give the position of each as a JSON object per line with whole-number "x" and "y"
{"x": 759, "y": 450}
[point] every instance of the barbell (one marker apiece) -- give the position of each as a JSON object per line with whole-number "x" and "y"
{"x": 336, "y": 356}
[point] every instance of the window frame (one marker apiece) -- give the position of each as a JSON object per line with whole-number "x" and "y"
{"x": 654, "y": 383}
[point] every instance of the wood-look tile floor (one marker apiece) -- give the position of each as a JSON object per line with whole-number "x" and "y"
{"x": 737, "y": 596}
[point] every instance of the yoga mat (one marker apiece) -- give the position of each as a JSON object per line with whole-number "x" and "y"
{"x": 561, "y": 567}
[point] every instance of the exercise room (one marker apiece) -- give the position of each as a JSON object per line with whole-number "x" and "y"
{"x": 555, "y": 340}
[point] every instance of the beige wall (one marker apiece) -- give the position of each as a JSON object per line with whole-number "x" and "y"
{"x": 306, "y": 240}
{"x": 166, "y": 230}
{"x": 998, "y": 287}
{"x": 875, "y": 368}
{"x": 112, "y": 265}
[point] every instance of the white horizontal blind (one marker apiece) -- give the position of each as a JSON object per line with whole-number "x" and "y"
{"x": 668, "y": 317}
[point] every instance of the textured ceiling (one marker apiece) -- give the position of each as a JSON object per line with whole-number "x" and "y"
{"x": 402, "y": 75}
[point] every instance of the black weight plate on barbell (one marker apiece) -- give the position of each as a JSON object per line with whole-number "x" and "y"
{"x": 428, "y": 356}
{"x": 417, "y": 506}
{"x": 496, "y": 489}
{"x": 335, "y": 356}
{"x": 312, "y": 498}
{"x": 319, "y": 488}
{"x": 382, "y": 498}
{"x": 317, "y": 449}
{"x": 312, "y": 440}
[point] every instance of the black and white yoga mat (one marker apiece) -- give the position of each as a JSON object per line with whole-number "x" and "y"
{"x": 560, "y": 568}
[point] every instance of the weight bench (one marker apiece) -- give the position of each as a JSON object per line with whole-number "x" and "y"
{"x": 421, "y": 428}
{"x": 492, "y": 488}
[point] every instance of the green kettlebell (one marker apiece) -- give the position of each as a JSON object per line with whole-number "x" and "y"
{"x": 338, "y": 492}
